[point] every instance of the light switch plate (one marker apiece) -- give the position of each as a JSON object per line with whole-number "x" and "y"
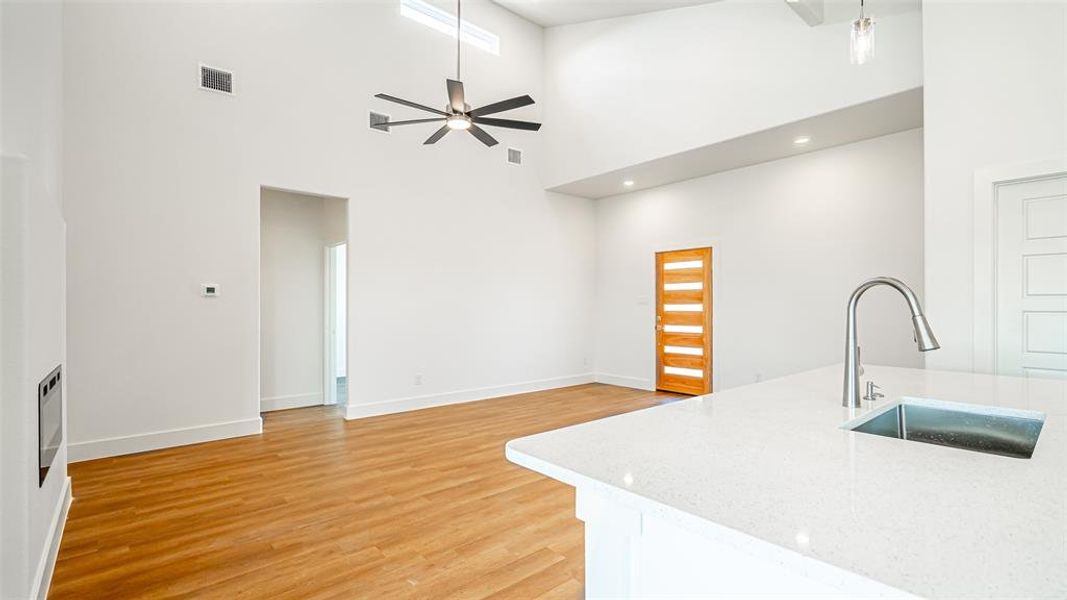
{"x": 209, "y": 290}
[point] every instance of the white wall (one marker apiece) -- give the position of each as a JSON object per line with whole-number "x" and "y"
{"x": 995, "y": 95}
{"x": 632, "y": 89}
{"x": 294, "y": 235}
{"x": 336, "y": 224}
{"x": 791, "y": 239}
{"x": 32, "y": 295}
{"x": 168, "y": 180}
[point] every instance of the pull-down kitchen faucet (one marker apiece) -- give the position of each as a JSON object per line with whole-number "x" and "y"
{"x": 924, "y": 336}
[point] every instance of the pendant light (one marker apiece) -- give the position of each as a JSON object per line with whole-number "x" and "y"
{"x": 861, "y": 44}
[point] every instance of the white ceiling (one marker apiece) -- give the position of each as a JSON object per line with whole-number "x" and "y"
{"x": 898, "y": 112}
{"x": 841, "y": 11}
{"x": 549, "y": 13}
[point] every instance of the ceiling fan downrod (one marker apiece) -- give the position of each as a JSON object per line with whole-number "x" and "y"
{"x": 459, "y": 36}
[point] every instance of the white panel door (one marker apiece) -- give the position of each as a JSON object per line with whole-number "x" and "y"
{"x": 1032, "y": 278}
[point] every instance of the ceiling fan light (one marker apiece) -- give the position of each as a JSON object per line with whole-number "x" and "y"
{"x": 458, "y": 122}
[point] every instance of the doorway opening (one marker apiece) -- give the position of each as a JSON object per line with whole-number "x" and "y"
{"x": 683, "y": 321}
{"x": 303, "y": 280}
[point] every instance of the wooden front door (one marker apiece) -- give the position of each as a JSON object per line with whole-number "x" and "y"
{"x": 683, "y": 321}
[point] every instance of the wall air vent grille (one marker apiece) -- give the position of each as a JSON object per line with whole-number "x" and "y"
{"x": 216, "y": 80}
{"x": 379, "y": 122}
{"x": 514, "y": 156}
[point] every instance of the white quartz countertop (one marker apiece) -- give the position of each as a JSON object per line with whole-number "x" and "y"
{"x": 769, "y": 464}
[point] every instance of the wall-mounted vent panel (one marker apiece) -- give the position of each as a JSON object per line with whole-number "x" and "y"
{"x": 379, "y": 122}
{"x": 216, "y": 80}
{"x": 514, "y": 156}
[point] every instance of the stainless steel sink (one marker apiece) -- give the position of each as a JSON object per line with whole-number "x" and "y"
{"x": 989, "y": 429}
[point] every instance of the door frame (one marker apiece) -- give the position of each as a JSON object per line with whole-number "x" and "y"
{"x": 329, "y": 364}
{"x": 259, "y": 189}
{"x": 716, "y": 246}
{"x": 986, "y": 183}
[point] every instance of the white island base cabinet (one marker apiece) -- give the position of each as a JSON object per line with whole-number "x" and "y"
{"x": 634, "y": 553}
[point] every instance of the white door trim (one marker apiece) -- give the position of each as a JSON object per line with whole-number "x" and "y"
{"x": 329, "y": 366}
{"x": 986, "y": 182}
{"x": 329, "y": 390}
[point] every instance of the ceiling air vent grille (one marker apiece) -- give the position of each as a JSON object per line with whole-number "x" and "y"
{"x": 514, "y": 156}
{"x": 379, "y": 122}
{"x": 216, "y": 80}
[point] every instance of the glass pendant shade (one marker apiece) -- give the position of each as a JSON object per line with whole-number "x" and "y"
{"x": 862, "y": 40}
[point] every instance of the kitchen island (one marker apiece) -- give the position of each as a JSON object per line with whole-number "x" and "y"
{"x": 758, "y": 490}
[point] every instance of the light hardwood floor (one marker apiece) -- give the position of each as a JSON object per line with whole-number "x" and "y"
{"x": 420, "y": 504}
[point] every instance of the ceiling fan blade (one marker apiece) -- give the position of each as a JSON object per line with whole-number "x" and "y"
{"x": 482, "y": 136}
{"x": 509, "y": 123}
{"x": 411, "y": 104}
{"x": 388, "y": 124}
{"x": 440, "y": 133}
{"x": 517, "y": 102}
{"x": 455, "y": 96}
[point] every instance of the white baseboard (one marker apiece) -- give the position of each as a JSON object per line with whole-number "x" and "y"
{"x": 290, "y": 401}
{"x": 640, "y": 383}
{"x": 388, "y": 407}
{"x": 155, "y": 440}
{"x": 46, "y": 565}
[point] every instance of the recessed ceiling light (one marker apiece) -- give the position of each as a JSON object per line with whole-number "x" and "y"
{"x": 801, "y": 140}
{"x": 628, "y": 182}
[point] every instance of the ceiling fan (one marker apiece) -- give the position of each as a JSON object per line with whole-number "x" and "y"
{"x": 458, "y": 114}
